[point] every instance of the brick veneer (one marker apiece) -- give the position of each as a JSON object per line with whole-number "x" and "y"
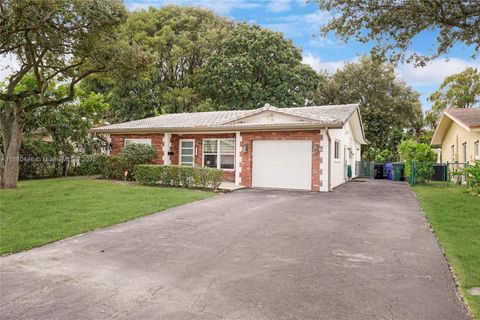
{"x": 228, "y": 175}
{"x": 249, "y": 137}
{"x": 117, "y": 141}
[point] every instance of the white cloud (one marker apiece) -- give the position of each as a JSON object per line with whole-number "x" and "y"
{"x": 220, "y": 7}
{"x": 304, "y": 26}
{"x": 8, "y": 64}
{"x": 434, "y": 72}
{"x": 330, "y": 66}
{"x": 279, "y": 5}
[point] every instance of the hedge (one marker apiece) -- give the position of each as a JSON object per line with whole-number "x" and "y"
{"x": 90, "y": 165}
{"x": 178, "y": 176}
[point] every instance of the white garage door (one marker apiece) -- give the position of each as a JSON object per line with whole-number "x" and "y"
{"x": 282, "y": 164}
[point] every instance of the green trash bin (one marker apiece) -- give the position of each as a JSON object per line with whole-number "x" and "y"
{"x": 398, "y": 171}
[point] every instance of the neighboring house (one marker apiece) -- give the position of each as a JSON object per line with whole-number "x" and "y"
{"x": 458, "y": 134}
{"x": 305, "y": 148}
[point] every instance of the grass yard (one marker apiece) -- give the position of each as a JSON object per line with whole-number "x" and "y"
{"x": 455, "y": 217}
{"x": 43, "y": 211}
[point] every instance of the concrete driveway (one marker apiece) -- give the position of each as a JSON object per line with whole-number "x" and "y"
{"x": 364, "y": 251}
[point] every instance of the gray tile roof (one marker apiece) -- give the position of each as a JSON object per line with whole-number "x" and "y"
{"x": 316, "y": 116}
{"x": 468, "y": 117}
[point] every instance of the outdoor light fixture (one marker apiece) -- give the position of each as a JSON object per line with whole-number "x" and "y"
{"x": 245, "y": 148}
{"x": 315, "y": 147}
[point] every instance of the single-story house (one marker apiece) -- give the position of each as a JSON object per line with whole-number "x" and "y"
{"x": 458, "y": 134}
{"x": 306, "y": 148}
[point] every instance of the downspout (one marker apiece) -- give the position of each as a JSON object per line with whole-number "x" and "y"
{"x": 329, "y": 170}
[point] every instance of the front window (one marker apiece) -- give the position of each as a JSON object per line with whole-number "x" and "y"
{"x": 476, "y": 150}
{"x": 219, "y": 153}
{"x": 187, "y": 148}
{"x": 464, "y": 152}
{"x": 140, "y": 141}
{"x": 452, "y": 150}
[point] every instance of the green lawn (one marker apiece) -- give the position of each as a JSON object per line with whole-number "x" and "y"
{"x": 43, "y": 211}
{"x": 455, "y": 217}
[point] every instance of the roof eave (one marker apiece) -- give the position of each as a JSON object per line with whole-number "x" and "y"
{"x": 218, "y": 128}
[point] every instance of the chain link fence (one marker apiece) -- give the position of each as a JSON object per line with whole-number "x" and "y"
{"x": 415, "y": 172}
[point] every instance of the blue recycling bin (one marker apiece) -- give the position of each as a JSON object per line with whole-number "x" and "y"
{"x": 389, "y": 169}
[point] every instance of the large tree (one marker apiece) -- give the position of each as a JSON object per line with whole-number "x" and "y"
{"x": 461, "y": 90}
{"x": 256, "y": 66}
{"x": 179, "y": 41}
{"x": 393, "y": 24}
{"x": 61, "y": 40}
{"x": 389, "y": 107}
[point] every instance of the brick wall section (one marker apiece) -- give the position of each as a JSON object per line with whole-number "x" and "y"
{"x": 117, "y": 141}
{"x": 229, "y": 175}
{"x": 249, "y": 137}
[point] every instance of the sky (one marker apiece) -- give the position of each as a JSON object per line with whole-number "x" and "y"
{"x": 301, "y": 21}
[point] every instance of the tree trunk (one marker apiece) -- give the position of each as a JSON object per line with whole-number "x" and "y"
{"x": 11, "y": 125}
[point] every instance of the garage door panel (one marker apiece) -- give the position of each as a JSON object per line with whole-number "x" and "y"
{"x": 282, "y": 164}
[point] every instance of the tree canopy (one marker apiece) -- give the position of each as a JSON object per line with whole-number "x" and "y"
{"x": 256, "y": 66}
{"x": 461, "y": 90}
{"x": 393, "y": 24}
{"x": 388, "y": 106}
{"x": 200, "y": 61}
{"x": 179, "y": 41}
{"x": 62, "y": 40}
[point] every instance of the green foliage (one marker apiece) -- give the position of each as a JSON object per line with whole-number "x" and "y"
{"x": 387, "y": 104}
{"x": 61, "y": 41}
{"x": 178, "y": 40}
{"x": 461, "y": 90}
{"x": 376, "y": 154}
{"x": 256, "y": 66}
{"x": 419, "y": 159}
{"x": 473, "y": 174}
{"x": 202, "y": 62}
{"x": 179, "y": 176}
{"x": 90, "y": 165}
{"x": 38, "y": 159}
{"x": 392, "y": 25}
{"x": 136, "y": 153}
{"x": 112, "y": 167}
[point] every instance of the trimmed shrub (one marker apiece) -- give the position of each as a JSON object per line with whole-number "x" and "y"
{"x": 179, "y": 176}
{"x": 136, "y": 153}
{"x": 90, "y": 165}
{"x": 112, "y": 167}
{"x": 149, "y": 174}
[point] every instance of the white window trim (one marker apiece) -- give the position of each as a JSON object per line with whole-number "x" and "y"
{"x": 464, "y": 152}
{"x": 476, "y": 150}
{"x": 180, "y": 151}
{"x": 219, "y": 155}
{"x": 452, "y": 151}
{"x": 141, "y": 141}
{"x": 336, "y": 150}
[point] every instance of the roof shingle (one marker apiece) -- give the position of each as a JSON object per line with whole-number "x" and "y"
{"x": 330, "y": 115}
{"x": 468, "y": 117}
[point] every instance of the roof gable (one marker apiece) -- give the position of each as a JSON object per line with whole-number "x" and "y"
{"x": 269, "y": 115}
{"x": 467, "y": 119}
